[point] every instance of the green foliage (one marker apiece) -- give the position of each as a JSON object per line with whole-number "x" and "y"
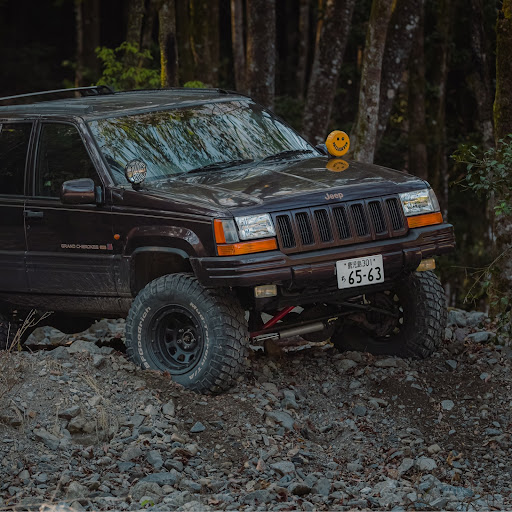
{"x": 195, "y": 84}
{"x": 489, "y": 173}
{"x": 123, "y": 68}
{"x": 147, "y": 503}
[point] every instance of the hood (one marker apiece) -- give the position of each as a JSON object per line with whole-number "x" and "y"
{"x": 274, "y": 186}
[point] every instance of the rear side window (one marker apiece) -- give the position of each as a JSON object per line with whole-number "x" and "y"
{"x": 62, "y": 156}
{"x": 14, "y": 138}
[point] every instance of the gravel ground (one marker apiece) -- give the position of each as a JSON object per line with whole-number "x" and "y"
{"x": 306, "y": 429}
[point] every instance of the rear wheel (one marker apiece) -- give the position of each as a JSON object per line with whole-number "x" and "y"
{"x": 408, "y": 321}
{"x": 198, "y": 335}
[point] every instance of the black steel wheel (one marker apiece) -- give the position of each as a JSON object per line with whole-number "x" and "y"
{"x": 408, "y": 321}
{"x": 198, "y": 335}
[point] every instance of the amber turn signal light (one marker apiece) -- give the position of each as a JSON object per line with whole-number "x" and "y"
{"x": 425, "y": 220}
{"x": 269, "y": 244}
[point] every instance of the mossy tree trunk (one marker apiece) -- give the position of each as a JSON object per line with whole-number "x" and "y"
{"x": 335, "y": 17}
{"x": 364, "y": 133}
{"x": 503, "y": 126}
{"x": 418, "y": 161}
{"x": 238, "y": 43}
{"x": 168, "y": 46}
{"x": 261, "y": 50}
{"x": 400, "y": 38}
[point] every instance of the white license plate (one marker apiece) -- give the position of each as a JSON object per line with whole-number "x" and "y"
{"x": 360, "y": 271}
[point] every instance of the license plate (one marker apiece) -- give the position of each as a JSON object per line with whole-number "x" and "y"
{"x": 360, "y": 271}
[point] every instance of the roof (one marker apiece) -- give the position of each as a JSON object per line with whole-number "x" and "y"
{"x": 122, "y": 103}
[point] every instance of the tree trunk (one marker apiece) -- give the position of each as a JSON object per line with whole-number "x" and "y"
{"x": 261, "y": 50}
{"x": 205, "y": 40}
{"x": 184, "y": 39}
{"x": 238, "y": 43}
{"x": 136, "y": 12}
{"x": 364, "y": 133}
{"x": 153, "y": 6}
{"x": 418, "y": 162}
{"x": 332, "y": 34}
{"x": 480, "y": 80}
{"x": 438, "y": 170}
{"x": 503, "y": 126}
{"x": 402, "y": 29}
{"x": 304, "y": 11}
{"x": 168, "y": 47}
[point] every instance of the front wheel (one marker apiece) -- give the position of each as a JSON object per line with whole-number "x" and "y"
{"x": 198, "y": 335}
{"x": 408, "y": 321}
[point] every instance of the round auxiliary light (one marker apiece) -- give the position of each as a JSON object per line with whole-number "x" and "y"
{"x": 135, "y": 171}
{"x": 337, "y": 142}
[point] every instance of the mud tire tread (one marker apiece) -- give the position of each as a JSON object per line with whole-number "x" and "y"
{"x": 230, "y": 336}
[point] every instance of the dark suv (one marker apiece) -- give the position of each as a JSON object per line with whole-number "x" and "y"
{"x": 209, "y": 222}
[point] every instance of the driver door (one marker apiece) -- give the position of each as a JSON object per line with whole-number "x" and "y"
{"x": 69, "y": 247}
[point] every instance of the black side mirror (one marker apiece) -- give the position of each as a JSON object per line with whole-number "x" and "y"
{"x": 81, "y": 191}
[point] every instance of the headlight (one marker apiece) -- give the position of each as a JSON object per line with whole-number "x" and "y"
{"x": 255, "y": 226}
{"x": 419, "y": 201}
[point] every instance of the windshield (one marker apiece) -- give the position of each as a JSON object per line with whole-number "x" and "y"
{"x": 178, "y": 141}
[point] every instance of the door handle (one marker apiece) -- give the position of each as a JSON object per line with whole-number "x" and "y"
{"x": 29, "y": 214}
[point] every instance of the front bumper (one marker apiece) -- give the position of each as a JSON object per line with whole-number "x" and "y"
{"x": 317, "y": 268}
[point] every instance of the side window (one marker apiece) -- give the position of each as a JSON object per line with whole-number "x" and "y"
{"x": 14, "y": 139}
{"x": 61, "y": 157}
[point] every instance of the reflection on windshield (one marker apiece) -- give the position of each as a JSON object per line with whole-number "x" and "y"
{"x": 173, "y": 142}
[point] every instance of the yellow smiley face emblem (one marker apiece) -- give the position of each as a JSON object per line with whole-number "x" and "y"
{"x": 336, "y": 165}
{"x": 337, "y": 143}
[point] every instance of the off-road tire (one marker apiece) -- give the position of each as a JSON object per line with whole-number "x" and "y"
{"x": 423, "y": 301}
{"x": 7, "y": 333}
{"x": 217, "y": 325}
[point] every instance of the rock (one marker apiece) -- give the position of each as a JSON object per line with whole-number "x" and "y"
{"x": 70, "y": 412}
{"x": 154, "y": 457}
{"x": 132, "y": 452}
{"x": 260, "y": 496}
{"x": 190, "y": 485}
{"x": 98, "y": 360}
{"x": 354, "y": 467}
{"x": 283, "y": 467}
{"x": 48, "y": 439}
{"x": 84, "y": 346}
{"x": 198, "y": 427}
{"x": 451, "y": 364}
{"x": 389, "y": 362}
{"x": 447, "y": 405}
{"x": 283, "y": 418}
{"x": 165, "y": 478}
{"x": 289, "y": 400}
{"x": 76, "y": 490}
{"x": 434, "y": 448}
{"x": 77, "y": 424}
{"x": 457, "y": 317}
{"x": 299, "y": 489}
{"x": 359, "y": 410}
{"x": 346, "y": 364}
{"x": 141, "y": 489}
{"x": 426, "y": 464}
{"x": 405, "y": 466}
{"x": 59, "y": 353}
{"x": 475, "y": 318}
{"x": 480, "y": 336}
{"x": 322, "y": 487}
{"x": 169, "y": 408}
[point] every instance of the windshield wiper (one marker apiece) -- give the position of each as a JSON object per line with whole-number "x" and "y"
{"x": 216, "y": 166}
{"x": 284, "y": 154}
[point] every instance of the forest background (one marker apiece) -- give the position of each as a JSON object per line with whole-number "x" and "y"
{"x": 414, "y": 82}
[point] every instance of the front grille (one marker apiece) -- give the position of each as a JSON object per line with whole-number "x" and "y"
{"x": 285, "y": 230}
{"x": 341, "y": 224}
{"x": 305, "y": 229}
